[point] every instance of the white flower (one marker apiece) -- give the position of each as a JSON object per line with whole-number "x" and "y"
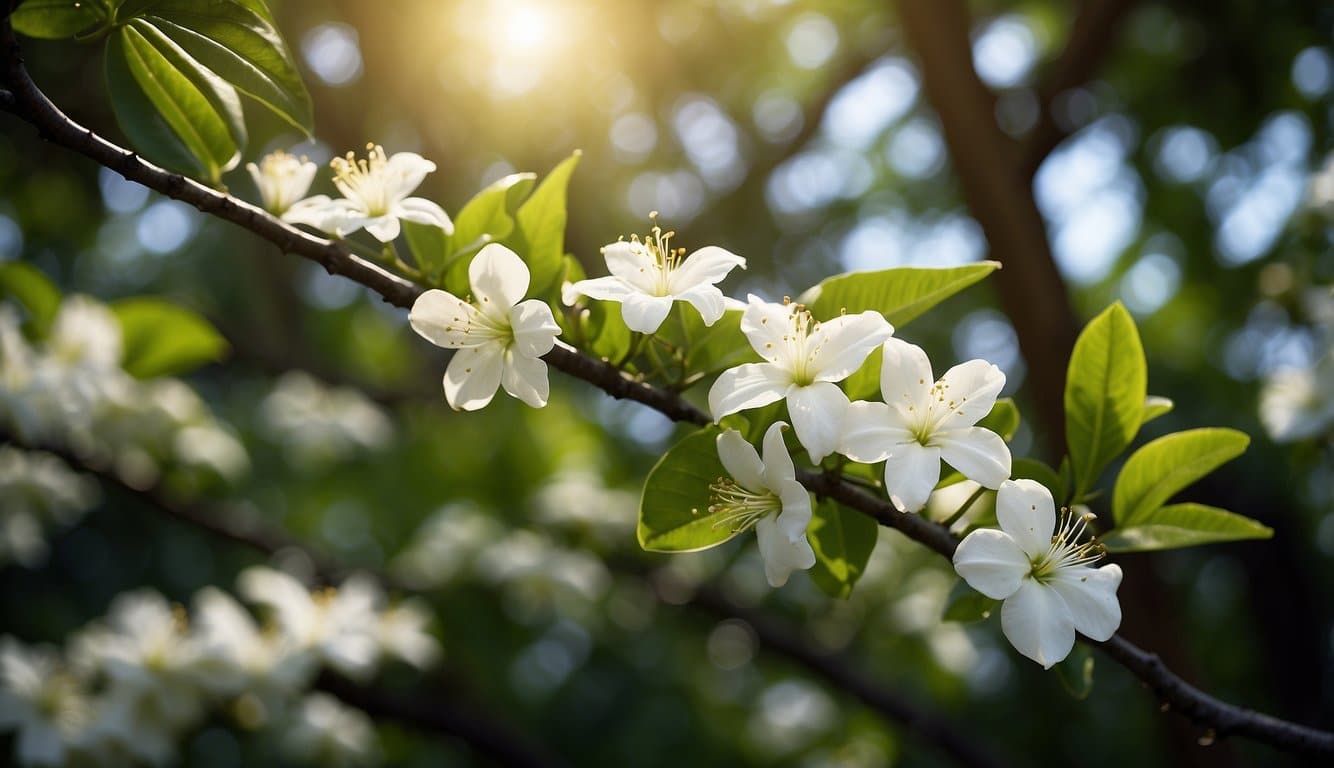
{"x": 804, "y": 359}
{"x": 401, "y": 632}
{"x": 317, "y": 425}
{"x": 235, "y": 656}
{"x": 500, "y": 339}
{"x": 282, "y": 180}
{"x": 85, "y": 334}
{"x": 1298, "y": 403}
{"x": 43, "y": 702}
{"x": 648, "y": 275}
{"x": 765, "y": 494}
{"x": 1320, "y": 188}
{"x": 1042, "y": 574}
{"x": 325, "y": 731}
{"x": 37, "y": 491}
{"x": 923, "y": 421}
{"x": 375, "y": 197}
{"x": 340, "y": 624}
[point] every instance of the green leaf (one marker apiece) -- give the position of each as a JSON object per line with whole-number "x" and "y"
{"x": 491, "y": 211}
{"x": 608, "y": 336}
{"x": 1160, "y": 469}
{"x": 539, "y": 227}
{"x": 1104, "y": 394}
{"x": 38, "y": 295}
{"x": 55, "y": 19}
{"x": 162, "y": 339}
{"x": 900, "y": 294}
{"x": 864, "y": 383}
{"x": 708, "y": 349}
{"x": 674, "y": 510}
{"x": 430, "y": 249}
{"x": 1184, "y": 525}
{"x": 966, "y": 604}
{"x": 1003, "y": 419}
{"x": 1155, "y": 406}
{"x": 1076, "y": 671}
{"x": 1036, "y": 470}
{"x": 241, "y": 45}
{"x": 198, "y": 108}
{"x": 843, "y": 540}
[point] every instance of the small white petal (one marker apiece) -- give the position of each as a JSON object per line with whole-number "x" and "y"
{"x": 817, "y": 414}
{"x": 778, "y": 467}
{"x": 317, "y": 211}
{"x": 978, "y": 453}
{"x": 972, "y": 387}
{"x": 383, "y": 228}
{"x": 871, "y": 431}
{"x": 1090, "y": 595}
{"x": 706, "y": 266}
{"x": 765, "y": 325}
{"x": 741, "y": 461}
{"x": 534, "y": 327}
{"x": 911, "y": 472}
{"x": 781, "y": 555}
{"x": 645, "y": 313}
{"x": 633, "y": 263}
{"x": 604, "y": 288}
{"x": 1038, "y": 624}
{"x": 1026, "y": 511}
{"x": 473, "y": 376}
{"x": 499, "y": 279}
{"x": 905, "y": 377}
{"x": 526, "y": 378}
{"x": 423, "y": 211}
{"x": 707, "y": 300}
{"x": 992, "y": 563}
{"x": 752, "y": 385}
{"x": 441, "y": 318}
{"x": 796, "y": 515}
{"x": 404, "y": 172}
{"x": 843, "y": 343}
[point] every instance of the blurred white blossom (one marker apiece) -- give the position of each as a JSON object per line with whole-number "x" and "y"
{"x": 316, "y": 424}
{"x": 324, "y": 731}
{"x": 1298, "y": 403}
{"x": 43, "y": 701}
{"x": 38, "y": 492}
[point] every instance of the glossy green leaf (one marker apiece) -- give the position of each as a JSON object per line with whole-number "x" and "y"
{"x": 1104, "y": 394}
{"x": 1184, "y": 525}
{"x": 706, "y": 348}
{"x": 39, "y": 296}
{"x": 55, "y": 19}
{"x": 155, "y": 85}
{"x": 1076, "y": 672}
{"x": 539, "y": 227}
{"x": 843, "y": 540}
{"x": 966, "y": 604}
{"x": 1158, "y": 470}
{"x": 430, "y": 249}
{"x": 900, "y": 294}
{"x": 608, "y": 336}
{"x": 162, "y": 339}
{"x": 864, "y": 383}
{"x": 1155, "y": 406}
{"x": 1003, "y": 419}
{"x": 674, "y": 509}
{"x": 491, "y": 211}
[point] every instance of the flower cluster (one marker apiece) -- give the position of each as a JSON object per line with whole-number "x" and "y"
{"x": 37, "y": 492}
{"x": 128, "y": 687}
{"x": 318, "y": 425}
{"x": 1297, "y": 401}
{"x": 69, "y": 389}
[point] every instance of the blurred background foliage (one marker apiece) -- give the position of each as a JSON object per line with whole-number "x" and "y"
{"x": 795, "y": 134}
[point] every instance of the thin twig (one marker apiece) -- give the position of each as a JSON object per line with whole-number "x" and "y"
{"x": 31, "y": 105}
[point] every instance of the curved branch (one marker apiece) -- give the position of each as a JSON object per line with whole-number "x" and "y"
{"x": 31, "y": 105}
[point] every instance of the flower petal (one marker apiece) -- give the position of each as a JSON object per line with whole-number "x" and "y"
{"x": 842, "y": 344}
{"x": 605, "y": 288}
{"x": 781, "y": 555}
{"x": 473, "y": 376}
{"x": 978, "y": 453}
{"x": 741, "y": 461}
{"x": 766, "y": 326}
{"x": 706, "y": 266}
{"x": 633, "y": 263}
{"x": 778, "y": 467}
{"x": 499, "y": 279}
{"x": 906, "y": 378}
{"x": 871, "y": 431}
{"x": 1038, "y": 624}
{"x": 404, "y": 172}
{"x": 423, "y": 211}
{"x": 796, "y": 515}
{"x": 1090, "y": 595}
{"x": 442, "y": 318}
{"x": 1026, "y": 511}
{"x": 645, "y": 313}
{"x": 534, "y": 327}
{"x": 747, "y": 386}
{"x": 707, "y": 299}
{"x": 971, "y": 388}
{"x": 313, "y": 211}
{"x": 525, "y": 378}
{"x": 817, "y": 412}
{"x": 383, "y": 228}
{"x": 992, "y": 563}
{"x": 911, "y": 472}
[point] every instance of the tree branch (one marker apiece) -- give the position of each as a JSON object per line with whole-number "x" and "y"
{"x": 991, "y": 189}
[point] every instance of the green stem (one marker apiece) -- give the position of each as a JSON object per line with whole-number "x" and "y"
{"x": 954, "y": 518}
